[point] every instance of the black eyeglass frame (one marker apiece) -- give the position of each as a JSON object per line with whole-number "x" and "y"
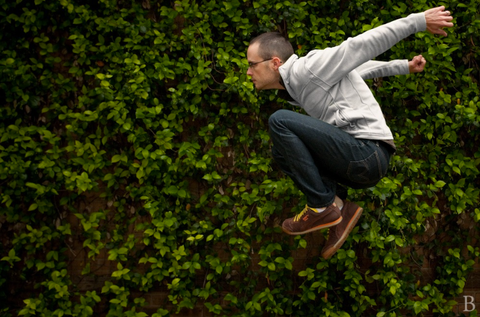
{"x": 252, "y": 64}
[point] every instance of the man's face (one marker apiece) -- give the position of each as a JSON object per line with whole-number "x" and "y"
{"x": 264, "y": 74}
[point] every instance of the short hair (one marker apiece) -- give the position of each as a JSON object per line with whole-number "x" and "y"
{"x": 273, "y": 44}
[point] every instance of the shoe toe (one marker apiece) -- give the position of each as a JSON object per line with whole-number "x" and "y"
{"x": 287, "y": 226}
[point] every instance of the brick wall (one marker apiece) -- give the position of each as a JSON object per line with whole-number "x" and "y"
{"x": 470, "y": 299}
{"x": 158, "y": 298}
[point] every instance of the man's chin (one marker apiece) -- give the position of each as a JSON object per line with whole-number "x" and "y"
{"x": 259, "y": 87}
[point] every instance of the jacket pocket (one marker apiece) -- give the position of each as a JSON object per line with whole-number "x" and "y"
{"x": 347, "y": 118}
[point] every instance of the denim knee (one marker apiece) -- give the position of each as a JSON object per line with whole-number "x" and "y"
{"x": 275, "y": 122}
{"x": 276, "y": 117}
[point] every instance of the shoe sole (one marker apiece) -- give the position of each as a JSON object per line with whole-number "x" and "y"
{"x": 330, "y": 252}
{"x": 324, "y": 226}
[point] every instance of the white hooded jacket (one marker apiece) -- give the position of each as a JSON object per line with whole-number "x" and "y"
{"x": 329, "y": 84}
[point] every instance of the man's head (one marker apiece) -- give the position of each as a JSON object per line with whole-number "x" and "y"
{"x": 265, "y": 54}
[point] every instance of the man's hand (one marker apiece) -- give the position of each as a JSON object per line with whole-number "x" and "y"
{"x": 437, "y": 19}
{"x": 417, "y": 64}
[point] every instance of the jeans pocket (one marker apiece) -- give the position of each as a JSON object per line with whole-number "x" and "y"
{"x": 367, "y": 172}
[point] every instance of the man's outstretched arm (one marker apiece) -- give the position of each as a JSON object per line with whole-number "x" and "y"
{"x": 332, "y": 64}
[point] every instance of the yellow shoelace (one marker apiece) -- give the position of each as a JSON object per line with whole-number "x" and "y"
{"x": 297, "y": 217}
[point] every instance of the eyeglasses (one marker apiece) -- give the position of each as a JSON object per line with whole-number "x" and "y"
{"x": 252, "y": 64}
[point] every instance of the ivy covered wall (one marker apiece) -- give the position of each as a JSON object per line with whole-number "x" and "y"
{"x": 135, "y": 160}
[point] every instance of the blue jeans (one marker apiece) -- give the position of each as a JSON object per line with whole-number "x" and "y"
{"x": 317, "y": 156}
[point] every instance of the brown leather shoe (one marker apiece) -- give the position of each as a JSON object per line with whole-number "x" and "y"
{"x": 309, "y": 220}
{"x": 337, "y": 235}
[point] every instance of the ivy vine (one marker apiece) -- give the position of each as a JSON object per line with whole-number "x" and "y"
{"x": 135, "y": 160}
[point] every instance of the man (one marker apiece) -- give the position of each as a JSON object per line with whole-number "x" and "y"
{"x": 344, "y": 139}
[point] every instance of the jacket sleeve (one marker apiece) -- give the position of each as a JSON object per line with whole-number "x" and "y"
{"x": 330, "y": 65}
{"x": 375, "y": 69}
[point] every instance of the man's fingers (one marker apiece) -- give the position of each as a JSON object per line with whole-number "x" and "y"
{"x": 417, "y": 64}
{"x": 419, "y": 59}
{"x": 440, "y": 32}
{"x": 437, "y": 19}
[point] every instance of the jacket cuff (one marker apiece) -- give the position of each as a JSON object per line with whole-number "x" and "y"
{"x": 420, "y": 21}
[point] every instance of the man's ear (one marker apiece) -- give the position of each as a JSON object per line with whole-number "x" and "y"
{"x": 277, "y": 62}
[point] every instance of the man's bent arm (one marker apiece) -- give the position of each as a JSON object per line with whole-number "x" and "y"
{"x": 376, "y": 69}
